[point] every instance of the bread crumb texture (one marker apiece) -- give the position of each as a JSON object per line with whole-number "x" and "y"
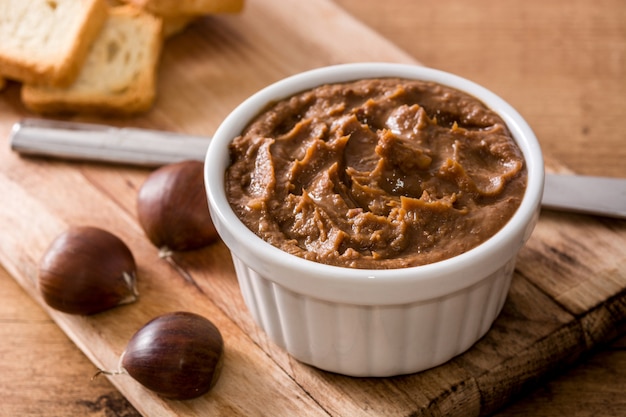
{"x": 92, "y": 56}
{"x": 45, "y": 41}
{"x": 119, "y": 74}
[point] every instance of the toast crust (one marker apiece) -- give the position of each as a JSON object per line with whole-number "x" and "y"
{"x": 167, "y": 8}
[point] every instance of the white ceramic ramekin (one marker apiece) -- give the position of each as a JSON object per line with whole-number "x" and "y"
{"x": 372, "y": 322}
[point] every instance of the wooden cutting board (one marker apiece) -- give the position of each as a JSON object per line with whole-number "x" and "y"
{"x": 568, "y": 294}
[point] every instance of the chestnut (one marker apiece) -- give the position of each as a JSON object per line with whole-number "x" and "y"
{"x": 172, "y": 208}
{"x": 177, "y": 355}
{"x": 87, "y": 270}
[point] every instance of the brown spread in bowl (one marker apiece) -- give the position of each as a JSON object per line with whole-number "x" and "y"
{"x": 377, "y": 174}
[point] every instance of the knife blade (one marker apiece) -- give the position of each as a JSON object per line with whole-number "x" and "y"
{"x": 151, "y": 148}
{"x": 585, "y": 194}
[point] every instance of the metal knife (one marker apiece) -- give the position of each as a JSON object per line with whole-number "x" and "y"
{"x": 585, "y": 194}
{"x": 151, "y": 148}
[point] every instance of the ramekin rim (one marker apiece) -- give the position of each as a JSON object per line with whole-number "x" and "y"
{"x": 473, "y": 264}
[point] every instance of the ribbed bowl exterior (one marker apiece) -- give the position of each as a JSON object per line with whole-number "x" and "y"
{"x": 372, "y": 322}
{"x": 365, "y": 340}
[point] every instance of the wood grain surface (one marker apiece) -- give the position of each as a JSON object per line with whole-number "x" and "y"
{"x": 561, "y": 64}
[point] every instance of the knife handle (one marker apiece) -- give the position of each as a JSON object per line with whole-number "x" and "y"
{"x": 93, "y": 142}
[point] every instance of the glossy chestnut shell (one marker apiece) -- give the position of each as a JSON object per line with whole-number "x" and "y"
{"x": 177, "y": 355}
{"x": 172, "y": 207}
{"x": 87, "y": 270}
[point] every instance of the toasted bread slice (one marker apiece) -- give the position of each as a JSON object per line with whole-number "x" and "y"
{"x": 119, "y": 75}
{"x": 168, "y": 8}
{"x": 177, "y": 15}
{"x": 173, "y": 25}
{"x": 46, "y": 41}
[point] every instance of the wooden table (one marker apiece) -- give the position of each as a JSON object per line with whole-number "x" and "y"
{"x": 561, "y": 64}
